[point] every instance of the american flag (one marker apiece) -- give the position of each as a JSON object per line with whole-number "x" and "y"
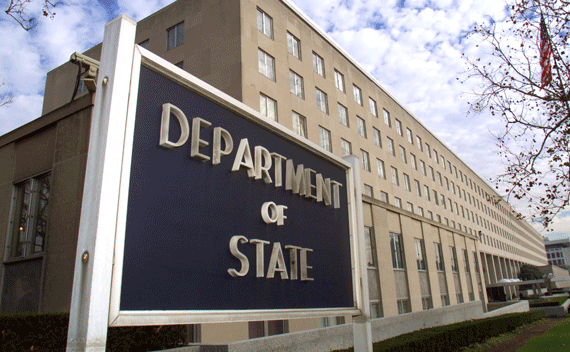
{"x": 545, "y": 52}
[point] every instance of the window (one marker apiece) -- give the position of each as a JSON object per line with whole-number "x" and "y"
{"x": 403, "y": 155}
{"x": 373, "y": 107}
{"x": 435, "y": 198}
{"x": 423, "y": 167}
{"x": 395, "y": 179}
{"x": 377, "y": 137}
{"x": 383, "y": 197}
{"x": 266, "y": 64}
{"x": 417, "y": 187}
{"x": 26, "y": 241}
{"x": 346, "y": 147}
{"x": 398, "y": 202}
{"x": 325, "y": 137}
{"x": 404, "y": 306}
{"x": 365, "y": 160}
{"x": 439, "y": 179}
{"x": 391, "y": 146}
{"x": 381, "y": 169}
{"x": 299, "y": 124}
{"x": 357, "y": 94}
{"x": 397, "y": 251}
{"x": 387, "y": 120}
{"x": 439, "y": 257}
{"x": 428, "y": 150}
{"x": 339, "y": 81}
{"x": 466, "y": 261}
{"x": 420, "y": 211}
{"x": 420, "y": 254}
{"x": 436, "y": 156}
{"x": 361, "y": 125}
{"x": 369, "y": 243}
{"x": 407, "y": 185}
{"x": 318, "y": 64}
{"x": 264, "y": 23}
{"x": 426, "y": 193}
{"x": 453, "y": 258}
{"x": 30, "y": 217}
{"x": 175, "y": 36}
{"x": 413, "y": 161}
{"x": 293, "y": 45}
{"x": 431, "y": 173}
{"x": 399, "y": 128}
{"x": 296, "y": 84}
{"x": 322, "y": 101}
{"x": 410, "y": 207}
{"x": 410, "y": 137}
{"x": 268, "y": 107}
{"x": 368, "y": 190}
{"x": 342, "y": 115}
{"x": 427, "y": 303}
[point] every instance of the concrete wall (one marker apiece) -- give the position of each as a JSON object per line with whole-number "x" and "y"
{"x": 56, "y": 143}
{"x": 518, "y": 307}
{"x": 340, "y": 337}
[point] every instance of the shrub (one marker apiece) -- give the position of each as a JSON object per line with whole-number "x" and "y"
{"x": 48, "y": 332}
{"x": 450, "y": 338}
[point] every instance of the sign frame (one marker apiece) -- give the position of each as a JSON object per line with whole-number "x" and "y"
{"x": 119, "y": 317}
{"x": 101, "y": 240}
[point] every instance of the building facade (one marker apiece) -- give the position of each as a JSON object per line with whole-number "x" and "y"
{"x": 436, "y": 232}
{"x": 558, "y": 252}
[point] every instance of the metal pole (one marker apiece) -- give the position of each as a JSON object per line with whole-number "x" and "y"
{"x": 89, "y": 311}
{"x": 361, "y": 327}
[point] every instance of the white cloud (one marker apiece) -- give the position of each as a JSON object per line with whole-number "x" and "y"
{"x": 413, "y": 48}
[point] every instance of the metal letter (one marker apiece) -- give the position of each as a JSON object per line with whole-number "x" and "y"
{"x": 262, "y": 164}
{"x": 239, "y": 255}
{"x": 196, "y": 142}
{"x": 323, "y": 190}
{"x": 336, "y": 193}
{"x": 259, "y": 258}
{"x": 308, "y": 185}
{"x": 277, "y": 263}
{"x": 293, "y": 261}
{"x": 219, "y": 134}
{"x": 266, "y": 209}
{"x": 168, "y": 109}
{"x": 294, "y": 181}
{"x": 278, "y": 168}
{"x": 243, "y": 158}
{"x": 304, "y": 266}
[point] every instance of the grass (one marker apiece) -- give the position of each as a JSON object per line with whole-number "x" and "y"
{"x": 477, "y": 347}
{"x": 555, "y": 339}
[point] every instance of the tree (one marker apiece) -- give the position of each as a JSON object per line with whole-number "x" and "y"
{"x": 529, "y": 272}
{"x": 535, "y": 108}
{"x": 18, "y": 10}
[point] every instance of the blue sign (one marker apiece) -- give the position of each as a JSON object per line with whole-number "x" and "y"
{"x": 225, "y": 213}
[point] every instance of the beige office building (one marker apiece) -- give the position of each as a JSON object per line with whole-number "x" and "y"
{"x": 438, "y": 233}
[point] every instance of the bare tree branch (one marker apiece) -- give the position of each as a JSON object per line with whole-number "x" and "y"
{"x": 17, "y": 9}
{"x": 535, "y": 141}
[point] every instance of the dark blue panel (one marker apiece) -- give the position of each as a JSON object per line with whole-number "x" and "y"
{"x": 182, "y": 213}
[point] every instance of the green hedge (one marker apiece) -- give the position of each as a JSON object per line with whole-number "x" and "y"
{"x": 450, "y": 338}
{"x": 48, "y": 332}
{"x": 453, "y": 337}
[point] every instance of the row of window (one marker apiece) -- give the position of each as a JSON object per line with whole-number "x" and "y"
{"x": 267, "y": 68}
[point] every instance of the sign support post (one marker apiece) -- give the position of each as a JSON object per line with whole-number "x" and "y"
{"x": 361, "y": 327}
{"x": 89, "y": 312}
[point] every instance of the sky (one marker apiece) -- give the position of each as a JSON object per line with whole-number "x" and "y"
{"x": 413, "y": 48}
